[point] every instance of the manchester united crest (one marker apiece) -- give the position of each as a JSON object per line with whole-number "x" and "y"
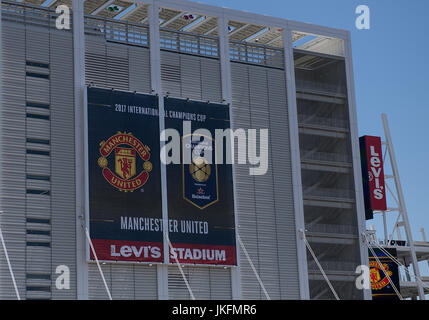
{"x": 379, "y": 280}
{"x": 130, "y": 158}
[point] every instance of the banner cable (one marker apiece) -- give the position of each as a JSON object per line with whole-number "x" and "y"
{"x": 9, "y": 265}
{"x": 319, "y": 266}
{"x": 181, "y": 271}
{"x": 253, "y": 267}
{"x": 98, "y": 263}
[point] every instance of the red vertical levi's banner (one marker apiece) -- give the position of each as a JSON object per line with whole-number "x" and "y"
{"x": 376, "y": 183}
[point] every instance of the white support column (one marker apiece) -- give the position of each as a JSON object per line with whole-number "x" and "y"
{"x": 296, "y": 165}
{"x": 422, "y": 231}
{"x": 225, "y": 65}
{"x": 79, "y": 100}
{"x": 155, "y": 62}
{"x": 403, "y": 207}
{"x": 386, "y": 236}
{"x": 357, "y": 173}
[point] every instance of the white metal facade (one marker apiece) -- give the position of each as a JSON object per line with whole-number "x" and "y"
{"x": 45, "y": 73}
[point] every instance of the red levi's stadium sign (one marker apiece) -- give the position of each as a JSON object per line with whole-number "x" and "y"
{"x": 372, "y": 175}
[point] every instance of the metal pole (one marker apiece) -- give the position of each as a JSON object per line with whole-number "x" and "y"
{"x": 422, "y": 230}
{"x": 356, "y": 156}
{"x": 386, "y": 241}
{"x": 402, "y": 206}
{"x": 227, "y": 96}
{"x": 296, "y": 165}
{"x": 79, "y": 101}
{"x": 155, "y": 62}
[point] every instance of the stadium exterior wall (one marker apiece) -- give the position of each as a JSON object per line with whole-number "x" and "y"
{"x": 272, "y": 228}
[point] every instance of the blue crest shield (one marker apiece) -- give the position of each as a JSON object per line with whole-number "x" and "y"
{"x": 200, "y": 175}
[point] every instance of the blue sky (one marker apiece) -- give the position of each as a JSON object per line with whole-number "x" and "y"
{"x": 391, "y": 72}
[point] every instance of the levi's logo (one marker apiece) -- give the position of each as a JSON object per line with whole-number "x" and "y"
{"x": 135, "y": 251}
{"x": 374, "y": 173}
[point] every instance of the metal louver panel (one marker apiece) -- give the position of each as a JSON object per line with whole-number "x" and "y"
{"x": 118, "y": 66}
{"x": 13, "y": 162}
{"x": 171, "y": 73}
{"x": 190, "y": 69}
{"x": 38, "y": 250}
{"x": 124, "y": 282}
{"x": 38, "y": 128}
{"x": 39, "y": 206}
{"x": 95, "y": 61}
{"x": 37, "y": 90}
{"x": 145, "y": 282}
{"x": 210, "y": 80}
{"x": 205, "y": 282}
{"x": 40, "y": 157}
{"x": 37, "y": 43}
{"x": 191, "y": 76}
{"x": 139, "y": 70}
{"x": 265, "y": 203}
{"x": 96, "y": 289}
{"x": 280, "y": 156}
{"x": 62, "y": 160}
{"x": 36, "y": 165}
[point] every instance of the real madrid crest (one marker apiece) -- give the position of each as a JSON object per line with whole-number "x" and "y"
{"x": 130, "y": 158}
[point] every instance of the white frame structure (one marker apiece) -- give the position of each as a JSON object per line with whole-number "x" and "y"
{"x": 356, "y": 156}
{"x": 296, "y": 166}
{"x": 401, "y": 208}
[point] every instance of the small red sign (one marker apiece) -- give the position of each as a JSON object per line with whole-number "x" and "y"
{"x": 377, "y": 189}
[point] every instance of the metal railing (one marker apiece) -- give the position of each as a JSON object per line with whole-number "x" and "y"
{"x": 138, "y": 34}
{"x": 189, "y": 43}
{"x": 322, "y": 121}
{"x": 329, "y": 193}
{"x": 256, "y": 54}
{"x": 117, "y": 31}
{"x": 332, "y": 228}
{"x": 331, "y": 89}
{"x": 325, "y": 156}
{"x": 31, "y": 14}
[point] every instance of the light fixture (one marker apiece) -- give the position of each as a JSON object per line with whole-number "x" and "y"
{"x": 231, "y": 28}
{"x": 114, "y": 8}
{"x": 188, "y": 16}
